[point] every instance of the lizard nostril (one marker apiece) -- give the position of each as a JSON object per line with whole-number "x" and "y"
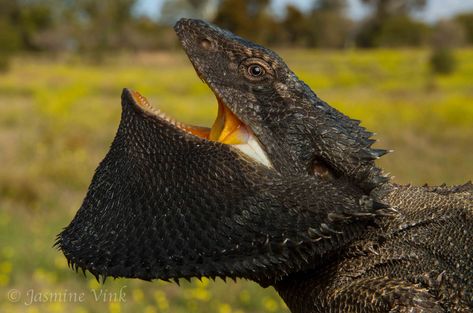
{"x": 206, "y": 44}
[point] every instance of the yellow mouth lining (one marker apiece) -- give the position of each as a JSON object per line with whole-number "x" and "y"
{"x": 227, "y": 129}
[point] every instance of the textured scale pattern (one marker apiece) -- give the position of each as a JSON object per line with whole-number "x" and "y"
{"x": 419, "y": 261}
{"x": 292, "y": 123}
{"x": 166, "y": 204}
{"x": 323, "y": 224}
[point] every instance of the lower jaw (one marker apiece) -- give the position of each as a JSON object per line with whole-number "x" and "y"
{"x": 226, "y": 129}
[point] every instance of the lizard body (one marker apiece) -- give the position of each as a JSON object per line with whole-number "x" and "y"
{"x": 282, "y": 190}
{"x": 419, "y": 261}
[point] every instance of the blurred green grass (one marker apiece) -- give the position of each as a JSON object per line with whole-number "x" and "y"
{"x": 58, "y": 118}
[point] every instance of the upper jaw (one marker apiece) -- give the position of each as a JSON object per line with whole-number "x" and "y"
{"x": 235, "y": 131}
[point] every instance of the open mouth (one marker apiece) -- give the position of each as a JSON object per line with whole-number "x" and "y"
{"x": 227, "y": 129}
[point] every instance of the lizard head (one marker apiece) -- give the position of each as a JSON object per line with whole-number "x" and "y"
{"x": 172, "y": 201}
{"x": 295, "y": 131}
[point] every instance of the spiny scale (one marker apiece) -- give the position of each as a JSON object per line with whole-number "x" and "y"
{"x": 166, "y": 206}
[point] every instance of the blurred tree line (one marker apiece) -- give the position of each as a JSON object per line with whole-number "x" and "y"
{"x": 92, "y": 27}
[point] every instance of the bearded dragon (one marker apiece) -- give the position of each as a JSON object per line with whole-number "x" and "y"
{"x": 283, "y": 190}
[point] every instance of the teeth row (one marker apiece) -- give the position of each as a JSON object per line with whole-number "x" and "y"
{"x": 144, "y": 103}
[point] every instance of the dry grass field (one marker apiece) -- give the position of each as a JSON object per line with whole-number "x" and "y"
{"x": 58, "y": 118}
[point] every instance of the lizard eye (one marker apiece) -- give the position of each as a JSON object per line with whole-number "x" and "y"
{"x": 256, "y": 70}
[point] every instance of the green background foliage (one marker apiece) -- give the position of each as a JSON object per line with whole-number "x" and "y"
{"x": 95, "y": 27}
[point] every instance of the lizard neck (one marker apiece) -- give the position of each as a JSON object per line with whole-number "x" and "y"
{"x": 410, "y": 256}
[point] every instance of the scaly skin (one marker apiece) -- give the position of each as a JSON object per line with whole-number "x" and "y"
{"x": 320, "y": 223}
{"x": 166, "y": 204}
{"x": 420, "y": 261}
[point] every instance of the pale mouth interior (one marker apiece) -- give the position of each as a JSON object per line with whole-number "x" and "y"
{"x": 227, "y": 129}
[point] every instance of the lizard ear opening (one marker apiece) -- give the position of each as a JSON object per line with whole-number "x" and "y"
{"x": 322, "y": 169}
